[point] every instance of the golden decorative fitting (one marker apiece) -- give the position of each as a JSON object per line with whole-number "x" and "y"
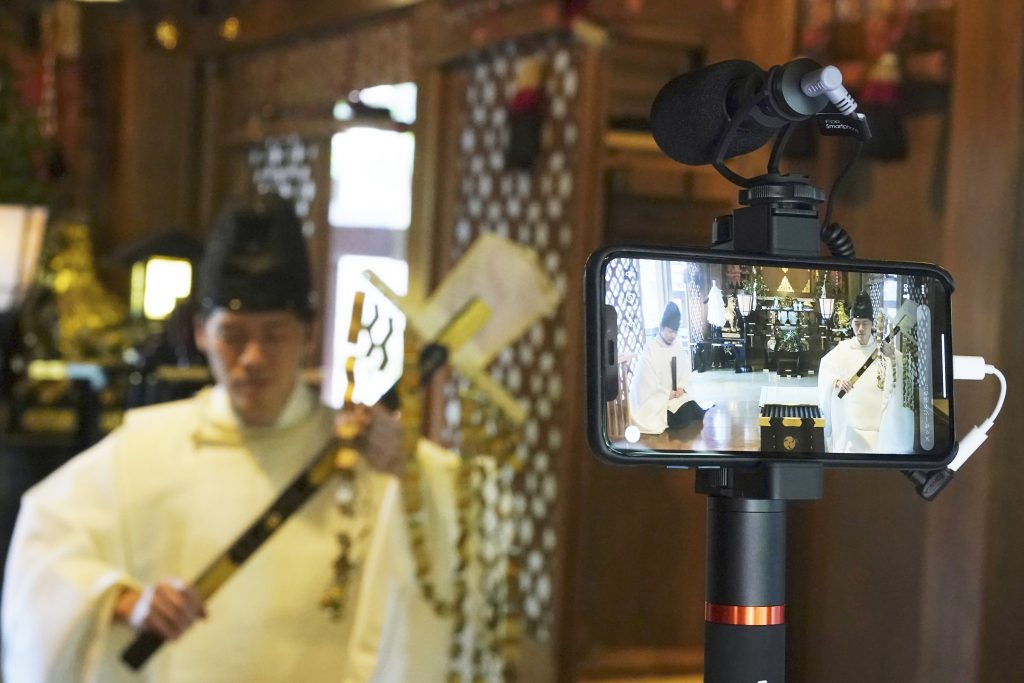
{"x": 273, "y": 521}
{"x": 166, "y": 34}
{"x": 346, "y": 458}
{"x": 230, "y": 28}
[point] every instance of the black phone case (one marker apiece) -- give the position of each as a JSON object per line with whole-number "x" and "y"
{"x": 600, "y": 357}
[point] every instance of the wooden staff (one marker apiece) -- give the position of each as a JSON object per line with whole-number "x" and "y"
{"x": 222, "y": 568}
{"x": 340, "y": 452}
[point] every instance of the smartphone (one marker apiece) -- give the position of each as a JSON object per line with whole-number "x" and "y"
{"x": 712, "y": 358}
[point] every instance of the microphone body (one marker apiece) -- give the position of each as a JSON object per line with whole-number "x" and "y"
{"x": 691, "y": 113}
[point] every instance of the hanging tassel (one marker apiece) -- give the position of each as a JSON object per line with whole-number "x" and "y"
{"x": 525, "y": 117}
{"x": 881, "y": 97}
{"x": 881, "y": 100}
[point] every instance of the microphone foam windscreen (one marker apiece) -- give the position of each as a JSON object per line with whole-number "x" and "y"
{"x": 689, "y": 118}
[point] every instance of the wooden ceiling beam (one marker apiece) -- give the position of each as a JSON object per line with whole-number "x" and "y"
{"x": 270, "y": 21}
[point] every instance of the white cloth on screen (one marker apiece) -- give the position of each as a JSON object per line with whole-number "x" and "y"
{"x": 716, "y": 306}
{"x": 162, "y": 496}
{"x": 651, "y": 385}
{"x": 868, "y": 419}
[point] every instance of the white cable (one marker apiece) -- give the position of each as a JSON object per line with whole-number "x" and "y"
{"x": 974, "y": 367}
{"x": 829, "y": 81}
{"x": 993, "y": 370}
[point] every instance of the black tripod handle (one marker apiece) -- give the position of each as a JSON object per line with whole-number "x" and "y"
{"x": 745, "y": 595}
{"x": 744, "y": 653}
{"x": 141, "y": 649}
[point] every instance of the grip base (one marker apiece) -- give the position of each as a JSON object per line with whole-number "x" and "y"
{"x": 744, "y": 654}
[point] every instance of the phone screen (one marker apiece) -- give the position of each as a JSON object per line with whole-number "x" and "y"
{"x": 838, "y": 362}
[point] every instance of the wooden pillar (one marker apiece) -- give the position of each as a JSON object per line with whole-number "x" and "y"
{"x": 426, "y": 168}
{"x": 211, "y": 135}
{"x": 154, "y": 149}
{"x": 767, "y": 32}
{"x": 573, "y": 637}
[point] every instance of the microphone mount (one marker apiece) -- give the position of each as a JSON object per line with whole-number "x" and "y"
{"x": 779, "y": 211}
{"x": 778, "y": 215}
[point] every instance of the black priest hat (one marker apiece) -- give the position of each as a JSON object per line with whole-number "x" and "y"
{"x": 671, "y": 317}
{"x": 256, "y": 260}
{"x": 862, "y": 307}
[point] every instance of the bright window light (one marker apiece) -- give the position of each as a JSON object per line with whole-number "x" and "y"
{"x": 343, "y": 111}
{"x": 652, "y": 293}
{"x": 890, "y": 297}
{"x": 167, "y": 280}
{"x": 371, "y": 381}
{"x": 399, "y": 99}
{"x": 21, "y": 239}
{"x": 677, "y": 272}
{"x": 371, "y": 179}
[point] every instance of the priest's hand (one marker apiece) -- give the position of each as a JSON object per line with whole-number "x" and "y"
{"x": 888, "y": 350}
{"x": 380, "y": 435}
{"x": 167, "y": 608}
{"x": 841, "y": 384}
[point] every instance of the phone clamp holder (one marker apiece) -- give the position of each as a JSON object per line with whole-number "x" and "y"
{"x": 779, "y": 211}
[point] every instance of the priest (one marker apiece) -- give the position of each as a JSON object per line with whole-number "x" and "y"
{"x": 864, "y": 413}
{"x": 105, "y": 547}
{"x": 658, "y": 394}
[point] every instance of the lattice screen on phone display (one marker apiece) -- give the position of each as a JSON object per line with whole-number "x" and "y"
{"x": 697, "y": 309}
{"x": 622, "y": 290}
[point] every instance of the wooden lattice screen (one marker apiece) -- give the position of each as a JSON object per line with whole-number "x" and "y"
{"x": 697, "y": 308}
{"x": 623, "y": 291}
{"x": 279, "y": 114}
{"x": 535, "y": 208}
{"x": 285, "y": 165}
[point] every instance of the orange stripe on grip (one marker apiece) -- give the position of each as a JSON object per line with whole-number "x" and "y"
{"x": 739, "y": 615}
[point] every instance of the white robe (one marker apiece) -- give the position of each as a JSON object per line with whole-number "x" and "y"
{"x": 716, "y": 306}
{"x": 163, "y": 495}
{"x": 868, "y": 419}
{"x": 651, "y": 385}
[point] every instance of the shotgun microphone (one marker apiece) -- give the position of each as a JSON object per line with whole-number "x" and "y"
{"x": 691, "y": 113}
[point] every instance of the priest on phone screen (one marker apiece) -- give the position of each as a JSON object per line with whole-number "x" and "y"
{"x": 864, "y": 413}
{"x": 658, "y": 394}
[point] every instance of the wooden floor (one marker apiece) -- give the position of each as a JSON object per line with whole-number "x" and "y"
{"x": 731, "y": 422}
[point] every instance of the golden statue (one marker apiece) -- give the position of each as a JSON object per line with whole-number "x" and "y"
{"x": 70, "y": 314}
